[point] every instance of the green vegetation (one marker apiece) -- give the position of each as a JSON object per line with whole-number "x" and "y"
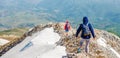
{"x": 24, "y": 13}
{"x": 16, "y": 31}
{"x": 114, "y": 32}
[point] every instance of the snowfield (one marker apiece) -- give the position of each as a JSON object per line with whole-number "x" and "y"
{"x": 3, "y": 41}
{"x": 102, "y": 42}
{"x": 39, "y": 45}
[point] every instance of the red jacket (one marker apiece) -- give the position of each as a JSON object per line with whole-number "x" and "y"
{"x": 67, "y": 26}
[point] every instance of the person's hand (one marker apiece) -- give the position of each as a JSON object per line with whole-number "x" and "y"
{"x": 94, "y": 37}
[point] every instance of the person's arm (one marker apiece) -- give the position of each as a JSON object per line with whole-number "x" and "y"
{"x": 65, "y": 26}
{"x": 69, "y": 26}
{"x": 92, "y": 30}
{"x": 78, "y": 30}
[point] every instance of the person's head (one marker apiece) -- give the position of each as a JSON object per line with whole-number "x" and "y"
{"x": 85, "y": 20}
{"x": 67, "y": 21}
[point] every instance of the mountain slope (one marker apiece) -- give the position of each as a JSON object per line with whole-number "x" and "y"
{"x": 37, "y": 42}
{"x": 38, "y": 45}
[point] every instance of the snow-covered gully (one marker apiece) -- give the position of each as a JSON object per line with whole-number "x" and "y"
{"x": 39, "y": 45}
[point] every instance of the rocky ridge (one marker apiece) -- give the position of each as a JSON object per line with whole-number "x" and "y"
{"x": 71, "y": 43}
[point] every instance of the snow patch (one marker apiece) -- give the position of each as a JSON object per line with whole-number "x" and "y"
{"x": 101, "y": 41}
{"x": 43, "y": 46}
{"x": 115, "y": 52}
{"x": 3, "y": 41}
{"x": 30, "y": 29}
{"x": 47, "y": 36}
{"x": 27, "y": 46}
{"x": 58, "y": 52}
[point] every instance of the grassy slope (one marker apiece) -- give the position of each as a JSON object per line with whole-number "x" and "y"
{"x": 16, "y": 31}
{"x": 12, "y": 33}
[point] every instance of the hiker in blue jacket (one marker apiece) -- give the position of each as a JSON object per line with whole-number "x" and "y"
{"x": 86, "y": 29}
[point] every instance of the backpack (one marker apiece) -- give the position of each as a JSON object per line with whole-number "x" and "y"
{"x": 86, "y": 30}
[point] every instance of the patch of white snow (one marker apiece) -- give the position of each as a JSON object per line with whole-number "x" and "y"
{"x": 101, "y": 41}
{"x": 115, "y": 52}
{"x": 3, "y": 41}
{"x": 42, "y": 45}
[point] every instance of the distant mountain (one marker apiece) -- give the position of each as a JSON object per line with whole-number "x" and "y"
{"x": 104, "y": 14}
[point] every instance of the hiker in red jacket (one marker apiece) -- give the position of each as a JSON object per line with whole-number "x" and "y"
{"x": 67, "y": 27}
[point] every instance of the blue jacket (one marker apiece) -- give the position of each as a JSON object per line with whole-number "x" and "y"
{"x": 85, "y": 21}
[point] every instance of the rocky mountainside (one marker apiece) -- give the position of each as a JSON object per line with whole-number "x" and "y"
{"x": 106, "y": 45}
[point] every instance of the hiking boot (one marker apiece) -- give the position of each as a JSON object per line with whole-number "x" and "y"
{"x": 79, "y": 50}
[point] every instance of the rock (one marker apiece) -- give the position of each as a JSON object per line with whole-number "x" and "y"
{"x": 82, "y": 55}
